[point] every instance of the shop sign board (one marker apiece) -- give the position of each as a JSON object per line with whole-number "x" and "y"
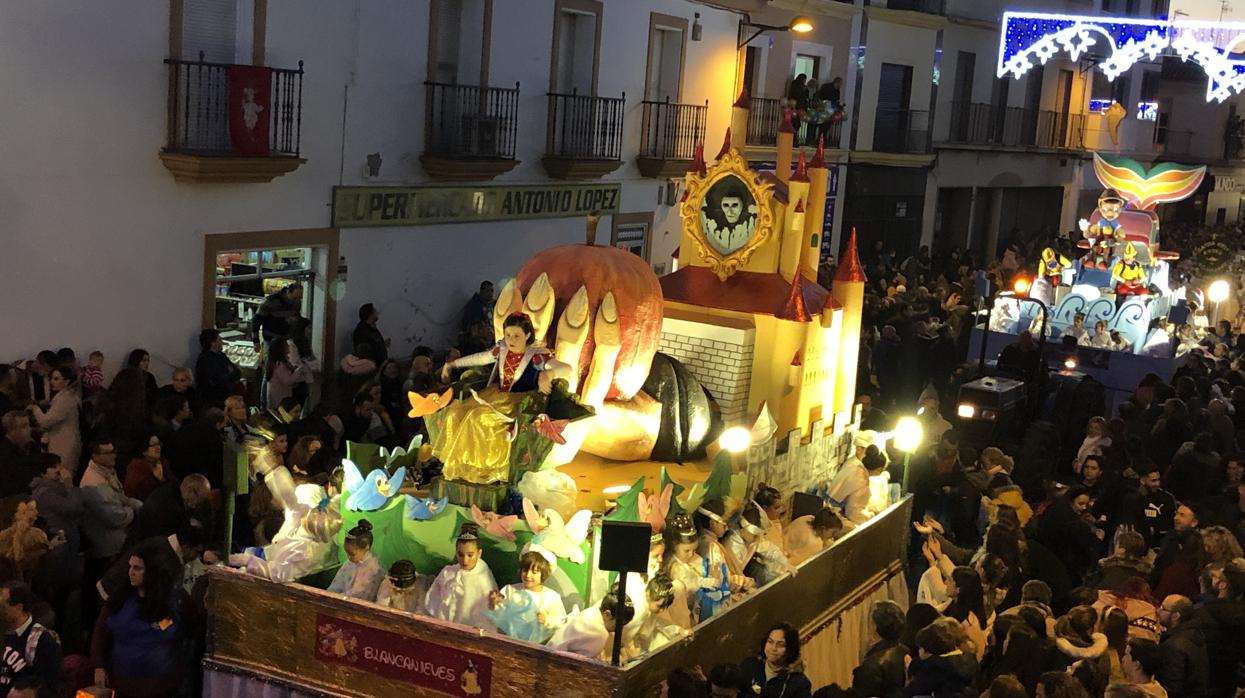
{"x": 1224, "y": 183}
{"x": 366, "y": 207}
{"x": 446, "y": 670}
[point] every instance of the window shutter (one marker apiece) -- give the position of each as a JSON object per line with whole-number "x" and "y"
{"x": 210, "y": 26}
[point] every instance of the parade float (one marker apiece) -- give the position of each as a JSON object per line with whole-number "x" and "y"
{"x": 735, "y": 370}
{"x": 1121, "y": 286}
{"x": 1123, "y": 278}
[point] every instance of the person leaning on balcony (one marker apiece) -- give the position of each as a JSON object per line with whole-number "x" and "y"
{"x": 797, "y": 100}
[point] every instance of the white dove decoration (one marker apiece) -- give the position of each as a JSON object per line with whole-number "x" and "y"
{"x": 564, "y": 539}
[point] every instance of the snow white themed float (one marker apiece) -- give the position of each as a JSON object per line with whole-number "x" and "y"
{"x": 687, "y": 391}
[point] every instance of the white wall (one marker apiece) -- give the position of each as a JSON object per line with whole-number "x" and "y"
{"x": 102, "y": 249}
{"x": 899, "y": 44}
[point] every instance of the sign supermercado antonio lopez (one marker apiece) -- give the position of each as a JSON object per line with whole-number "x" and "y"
{"x": 443, "y": 669}
{"x": 367, "y": 207}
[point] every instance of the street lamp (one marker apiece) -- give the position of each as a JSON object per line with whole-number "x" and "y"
{"x": 908, "y": 433}
{"x": 1218, "y": 293}
{"x": 800, "y": 24}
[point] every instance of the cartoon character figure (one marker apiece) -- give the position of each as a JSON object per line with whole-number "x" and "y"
{"x": 1129, "y": 274}
{"x": 250, "y": 109}
{"x": 563, "y": 538}
{"x": 420, "y": 509}
{"x": 371, "y": 493}
{"x": 1052, "y": 266}
{"x": 494, "y": 524}
{"x": 1103, "y": 233}
{"x": 470, "y": 683}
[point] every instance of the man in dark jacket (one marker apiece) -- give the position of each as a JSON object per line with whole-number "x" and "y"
{"x": 1127, "y": 562}
{"x": 367, "y": 333}
{"x": 173, "y": 506}
{"x": 941, "y": 669}
{"x": 215, "y": 374}
{"x": 1149, "y": 509}
{"x": 201, "y": 447}
{"x": 882, "y": 671}
{"x": 29, "y": 648}
{"x": 479, "y": 308}
{"x": 275, "y": 317}
{"x": 1185, "y": 669}
{"x": 1223, "y": 622}
{"x": 19, "y": 455}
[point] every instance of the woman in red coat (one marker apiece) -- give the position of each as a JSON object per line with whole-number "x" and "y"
{"x": 147, "y": 471}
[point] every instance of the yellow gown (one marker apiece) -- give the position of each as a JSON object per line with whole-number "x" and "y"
{"x": 473, "y": 442}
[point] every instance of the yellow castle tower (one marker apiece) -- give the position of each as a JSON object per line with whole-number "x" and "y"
{"x": 744, "y": 312}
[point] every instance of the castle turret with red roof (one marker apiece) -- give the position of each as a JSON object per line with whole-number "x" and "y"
{"x": 849, "y": 291}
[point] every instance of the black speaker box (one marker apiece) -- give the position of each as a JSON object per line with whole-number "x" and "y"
{"x": 624, "y": 546}
{"x": 803, "y": 504}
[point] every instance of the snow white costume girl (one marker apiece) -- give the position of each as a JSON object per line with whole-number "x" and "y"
{"x": 473, "y": 440}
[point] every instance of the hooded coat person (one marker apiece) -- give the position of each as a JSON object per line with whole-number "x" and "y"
{"x": 1068, "y": 536}
{"x": 1083, "y": 651}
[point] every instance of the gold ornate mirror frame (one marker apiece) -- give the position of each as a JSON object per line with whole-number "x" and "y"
{"x": 698, "y": 186}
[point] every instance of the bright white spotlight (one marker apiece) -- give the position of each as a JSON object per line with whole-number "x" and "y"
{"x": 1218, "y": 291}
{"x": 735, "y": 440}
{"x": 908, "y": 433}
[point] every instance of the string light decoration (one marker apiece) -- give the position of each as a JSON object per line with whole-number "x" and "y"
{"x": 1029, "y": 39}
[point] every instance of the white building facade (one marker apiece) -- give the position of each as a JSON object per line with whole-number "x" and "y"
{"x": 458, "y": 137}
{"x": 134, "y": 217}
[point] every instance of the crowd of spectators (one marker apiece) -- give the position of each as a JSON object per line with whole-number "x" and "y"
{"x": 112, "y": 487}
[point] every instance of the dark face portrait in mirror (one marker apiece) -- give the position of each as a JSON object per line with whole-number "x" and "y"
{"x": 728, "y": 215}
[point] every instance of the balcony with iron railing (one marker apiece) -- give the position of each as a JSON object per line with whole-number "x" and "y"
{"x": 765, "y": 117}
{"x": 929, "y": 7}
{"x": 669, "y": 135}
{"x": 232, "y": 123}
{"x": 583, "y": 135}
{"x": 976, "y": 123}
{"x": 901, "y": 131}
{"x": 470, "y": 131}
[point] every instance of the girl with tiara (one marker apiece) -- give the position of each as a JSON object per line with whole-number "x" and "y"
{"x": 710, "y": 518}
{"x": 763, "y": 561}
{"x": 651, "y": 629}
{"x": 699, "y": 588}
{"x": 460, "y": 593}
{"x": 472, "y": 441}
{"x": 360, "y": 576}
{"x": 550, "y": 612}
{"x": 771, "y": 503}
{"x": 402, "y": 589}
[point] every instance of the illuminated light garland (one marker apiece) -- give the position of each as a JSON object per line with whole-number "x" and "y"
{"x": 1029, "y": 39}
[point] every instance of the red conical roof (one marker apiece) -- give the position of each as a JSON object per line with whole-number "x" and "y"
{"x": 801, "y": 169}
{"x": 726, "y": 145}
{"x": 784, "y": 122}
{"x": 799, "y": 206}
{"x": 850, "y": 270}
{"x": 698, "y": 161}
{"x": 819, "y": 157}
{"x": 744, "y": 100}
{"x": 794, "y": 308}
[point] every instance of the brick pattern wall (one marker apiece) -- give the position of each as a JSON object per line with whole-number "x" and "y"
{"x": 723, "y": 367}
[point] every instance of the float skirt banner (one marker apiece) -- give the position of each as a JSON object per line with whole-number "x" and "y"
{"x": 250, "y": 109}
{"x": 443, "y": 669}
{"x": 366, "y": 207}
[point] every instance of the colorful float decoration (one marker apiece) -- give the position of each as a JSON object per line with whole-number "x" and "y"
{"x": 1122, "y": 280}
{"x": 600, "y": 361}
